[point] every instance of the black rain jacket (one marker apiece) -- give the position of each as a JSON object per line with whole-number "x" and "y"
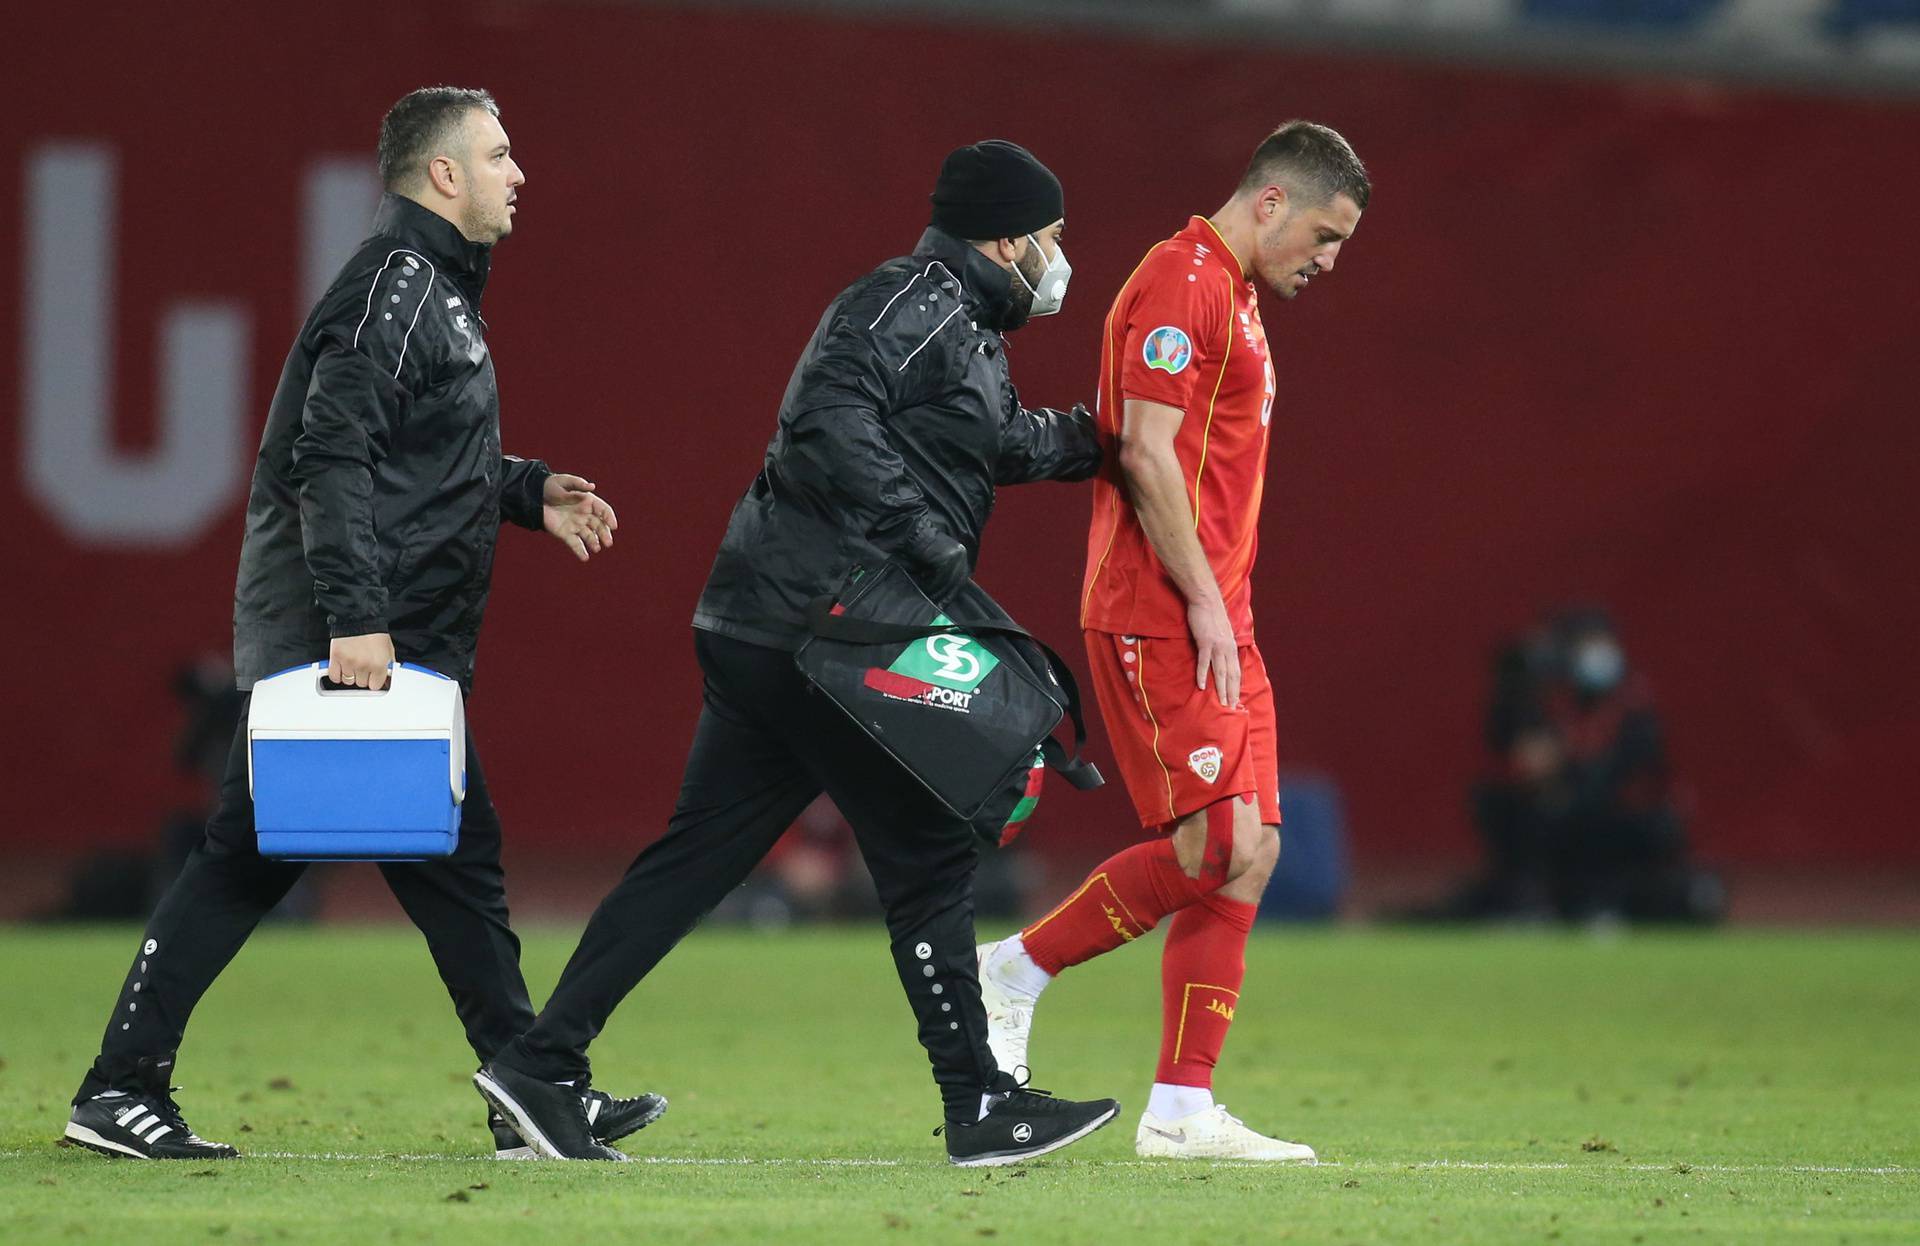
{"x": 899, "y": 416}
{"x": 380, "y": 486}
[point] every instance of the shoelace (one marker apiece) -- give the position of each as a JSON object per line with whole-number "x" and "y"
{"x": 162, "y": 1105}
{"x": 1048, "y": 1102}
{"x": 1023, "y": 1085}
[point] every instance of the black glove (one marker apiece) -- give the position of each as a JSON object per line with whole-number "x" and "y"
{"x": 938, "y": 563}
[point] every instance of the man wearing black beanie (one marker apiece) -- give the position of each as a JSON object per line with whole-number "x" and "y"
{"x": 896, "y": 428}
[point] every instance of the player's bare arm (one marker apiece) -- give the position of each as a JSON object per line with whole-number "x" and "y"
{"x": 1159, "y": 491}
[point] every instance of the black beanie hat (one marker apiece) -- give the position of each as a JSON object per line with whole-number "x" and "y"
{"x": 995, "y": 189}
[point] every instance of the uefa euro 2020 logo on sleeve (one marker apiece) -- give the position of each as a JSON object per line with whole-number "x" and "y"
{"x": 1168, "y": 349}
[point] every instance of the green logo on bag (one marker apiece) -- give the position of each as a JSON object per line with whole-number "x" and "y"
{"x": 949, "y": 660}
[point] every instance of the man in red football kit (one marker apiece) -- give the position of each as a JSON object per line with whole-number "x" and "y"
{"x": 1187, "y": 391}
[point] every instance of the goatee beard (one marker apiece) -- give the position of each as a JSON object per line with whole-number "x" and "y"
{"x": 1019, "y": 304}
{"x": 1020, "y": 288}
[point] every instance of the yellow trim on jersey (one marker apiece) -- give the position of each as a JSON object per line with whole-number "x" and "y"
{"x": 1225, "y": 245}
{"x": 1113, "y": 534}
{"x": 1207, "y": 432}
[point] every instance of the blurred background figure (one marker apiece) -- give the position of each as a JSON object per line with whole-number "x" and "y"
{"x": 1310, "y": 881}
{"x": 815, "y": 874}
{"x": 122, "y": 884}
{"x": 1579, "y": 814}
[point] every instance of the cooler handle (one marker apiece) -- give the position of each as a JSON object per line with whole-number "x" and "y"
{"x": 327, "y": 688}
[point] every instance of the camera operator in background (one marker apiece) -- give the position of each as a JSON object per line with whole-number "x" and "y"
{"x": 1579, "y": 810}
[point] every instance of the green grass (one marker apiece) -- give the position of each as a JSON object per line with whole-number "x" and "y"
{"x": 1741, "y": 1087}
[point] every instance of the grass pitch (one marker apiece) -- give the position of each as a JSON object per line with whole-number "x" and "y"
{"x": 1742, "y": 1087}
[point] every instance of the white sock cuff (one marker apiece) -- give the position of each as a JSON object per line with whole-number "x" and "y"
{"x": 1170, "y": 1102}
{"x": 1017, "y": 968}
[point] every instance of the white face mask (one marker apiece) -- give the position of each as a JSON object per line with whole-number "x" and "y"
{"x": 1052, "y": 290}
{"x": 1598, "y": 665}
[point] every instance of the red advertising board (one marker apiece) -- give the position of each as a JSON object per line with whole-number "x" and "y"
{"x": 1632, "y": 342}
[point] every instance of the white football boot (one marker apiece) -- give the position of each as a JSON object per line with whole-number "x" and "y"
{"x": 1009, "y": 1015}
{"x": 1213, "y": 1134}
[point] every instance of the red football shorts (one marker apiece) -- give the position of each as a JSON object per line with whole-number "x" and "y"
{"x": 1178, "y": 748}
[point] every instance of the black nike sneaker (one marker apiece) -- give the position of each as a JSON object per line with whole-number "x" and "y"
{"x": 609, "y": 1118}
{"x": 549, "y": 1117}
{"x": 144, "y": 1123}
{"x": 1022, "y": 1124}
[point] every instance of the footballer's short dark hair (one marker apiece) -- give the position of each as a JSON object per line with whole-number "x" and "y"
{"x": 420, "y": 126}
{"x": 1310, "y": 160}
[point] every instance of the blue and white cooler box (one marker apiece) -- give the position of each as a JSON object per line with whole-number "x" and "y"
{"x": 344, "y": 774}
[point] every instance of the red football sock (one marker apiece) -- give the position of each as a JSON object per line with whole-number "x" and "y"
{"x": 1201, "y": 969}
{"x": 1124, "y": 897}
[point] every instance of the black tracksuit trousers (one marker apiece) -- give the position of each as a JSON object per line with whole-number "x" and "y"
{"x": 226, "y": 887}
{"x": 765, "y": 747}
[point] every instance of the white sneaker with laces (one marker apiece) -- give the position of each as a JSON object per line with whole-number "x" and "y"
{"x": 1009, "y": 1015}
{"x": 1213, "y": 1134}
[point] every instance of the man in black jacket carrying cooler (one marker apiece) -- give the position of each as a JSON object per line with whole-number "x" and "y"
{"x": 898, "y": 425}
{"x": 377, "y": 497}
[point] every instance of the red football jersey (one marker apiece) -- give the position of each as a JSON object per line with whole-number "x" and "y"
{"x": 1185, "y": 331}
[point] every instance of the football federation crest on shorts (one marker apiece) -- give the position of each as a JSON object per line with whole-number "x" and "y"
{"x": 1168, "y": 349}
{"x": 1205, "y": 762}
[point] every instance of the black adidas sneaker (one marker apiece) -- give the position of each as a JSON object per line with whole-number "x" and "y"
{"x": 608, "y": 1118}
{"x": 141, "y": 1124}
{"x": 549, "y": 1117}
{"x": 1023, "y": 1124}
